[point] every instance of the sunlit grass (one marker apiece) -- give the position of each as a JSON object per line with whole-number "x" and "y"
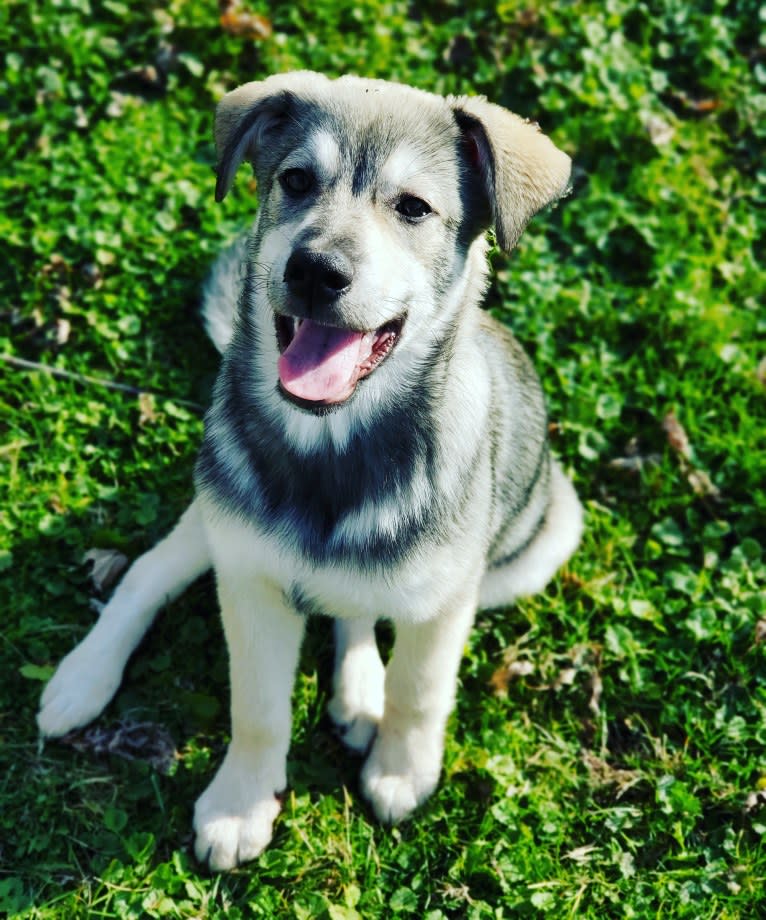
{"x": 606, "y": 755}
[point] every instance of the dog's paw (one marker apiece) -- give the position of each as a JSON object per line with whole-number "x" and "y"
{"x": 82, "y": 686}
{"x": 401, "y": 772}
{"x": 233, "y": 820}
{"x": 356, "y": 707}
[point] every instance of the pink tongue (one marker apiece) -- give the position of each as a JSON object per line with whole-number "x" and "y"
{"x": 321, "y": 363}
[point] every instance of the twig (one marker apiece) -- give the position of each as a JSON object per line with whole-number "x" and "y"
{"x": 23, "y": 364}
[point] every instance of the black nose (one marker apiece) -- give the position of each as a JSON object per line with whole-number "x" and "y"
{"x": 317, "y": 278}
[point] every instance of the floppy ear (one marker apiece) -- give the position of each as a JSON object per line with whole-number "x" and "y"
{"x": 520, "y": 169}
{"x": 248, "y": 115}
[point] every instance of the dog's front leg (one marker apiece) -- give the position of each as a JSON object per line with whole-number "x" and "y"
{"x": 233, "y": 818}
{"x": 404, "y": 764}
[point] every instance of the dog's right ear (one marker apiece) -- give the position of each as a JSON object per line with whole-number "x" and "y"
{"x": 248, "y": 116}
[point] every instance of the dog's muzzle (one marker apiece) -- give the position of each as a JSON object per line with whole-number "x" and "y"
{"x": 321, "y": 363}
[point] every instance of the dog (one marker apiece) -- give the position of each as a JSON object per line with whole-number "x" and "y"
{"x": 377, "y": 443}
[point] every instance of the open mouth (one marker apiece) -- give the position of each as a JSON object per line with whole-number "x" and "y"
{"x": 321, "y": 365}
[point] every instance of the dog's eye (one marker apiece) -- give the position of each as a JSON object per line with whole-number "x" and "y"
{"x": 296, "y": 181}
{"x": 412, "y": 208}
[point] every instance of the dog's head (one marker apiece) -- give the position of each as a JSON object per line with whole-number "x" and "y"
{"x": 374, "y": 201}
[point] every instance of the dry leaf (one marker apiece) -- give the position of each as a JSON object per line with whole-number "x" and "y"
{"x": 596, "y": 689}
{"x": 760, "y": 631}
{"x": 702, "y": 484}
{"x": 698, "y": 479}
{"x": 582, "y": 855}
{"x": 117, "y": 103}
{"x": 603, "y": 773}
{"x": 108, "y": 565}
{"x": 703, "y": 106}
{"x": 677, "y": 437}
{"x": 527, "y": 18}
{"x": 755, "y": 800}
{"x": 145, "y": 741}
{"x": 63, "y": 330}
{"x": 242, "y": 23}
{"x": 505, "y": 674}
{"x": 660, "y": 131}
{"x": 147, "y": 409}
{"x": 56, "y": 265}
{"x": 565, "y": 678}
{"x": 146, "y": 74}
{"x": 571, "y": 579}
{"x": 63, "y": 297}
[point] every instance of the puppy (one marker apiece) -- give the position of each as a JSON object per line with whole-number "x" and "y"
{"x": 376, "y": 445}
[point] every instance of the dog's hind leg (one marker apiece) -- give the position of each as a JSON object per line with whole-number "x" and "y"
{"x": 88, "y": 677}
{"x": 531, "y": 570}
{"x": 356, "y": 706}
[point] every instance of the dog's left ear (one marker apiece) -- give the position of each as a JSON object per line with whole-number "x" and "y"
{"x": 520, "y": 169}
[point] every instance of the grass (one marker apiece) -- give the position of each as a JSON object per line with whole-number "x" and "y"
{"x": 607, "y": 754}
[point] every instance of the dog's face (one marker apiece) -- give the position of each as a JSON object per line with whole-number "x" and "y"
{"x": 374, "y": 199}
{"x": 359, "y": 243}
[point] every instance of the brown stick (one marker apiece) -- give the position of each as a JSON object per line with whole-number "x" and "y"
{"x": 23, "y": 364}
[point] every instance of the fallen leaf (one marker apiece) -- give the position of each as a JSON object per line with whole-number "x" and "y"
{"x": 702, "y": 484}
{"x": 596, "y": 689}
{"x": 571, "y": 579}
{"x": 660, "y": 131}
{"x": 603, "y": 773}
{"x": 565, "y": 678}
{"x": 117, "y": 104}
{"x": 241, "y": 23}
{"x": 146, "y": 74}
{"x": 56, "y": 265}
{"x": 147, "y": 409}
{"x": 760, "y": 631}
{"x": 505, "y": 674}
{"x": 582, "y": 854}
{"x": 527, "y": 17}
{"x": 677, "y": 437}
{"x": 63, "y": 297}
{"x": 63, "y": 330}
{"x": 144, "y": 741}
{"x": 703, "y": 106}
{"x": 755, "y": 800}
{"x": 108, "y": 565}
